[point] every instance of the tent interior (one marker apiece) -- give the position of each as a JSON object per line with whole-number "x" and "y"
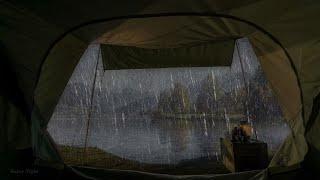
{"x": 123, "y": 90}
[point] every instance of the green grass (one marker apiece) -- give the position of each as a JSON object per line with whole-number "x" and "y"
{"x": 95, "y": 157}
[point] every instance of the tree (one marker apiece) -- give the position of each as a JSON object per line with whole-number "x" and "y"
{"x": 164, "y": 102}
{"x": 180, "y": 99}
{"x": 209, "y": 94}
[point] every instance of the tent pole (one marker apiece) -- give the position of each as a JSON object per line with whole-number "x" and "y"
{"x": 245, "y": 82}
{"x": 91, "y": 106}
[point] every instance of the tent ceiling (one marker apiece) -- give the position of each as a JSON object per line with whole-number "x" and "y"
{"x": 173, "y": 32}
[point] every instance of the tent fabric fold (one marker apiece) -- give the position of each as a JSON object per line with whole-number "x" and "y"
{"x": 203, "y": 55}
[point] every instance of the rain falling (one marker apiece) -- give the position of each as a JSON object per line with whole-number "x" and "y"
{"x": 168, "y": 115}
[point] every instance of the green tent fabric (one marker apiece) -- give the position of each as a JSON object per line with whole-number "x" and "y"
{"x": 29, "y": 31}
{"x": 203, "y": 55}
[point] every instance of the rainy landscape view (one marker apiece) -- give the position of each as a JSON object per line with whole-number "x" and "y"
{"x": 164, "y": 116}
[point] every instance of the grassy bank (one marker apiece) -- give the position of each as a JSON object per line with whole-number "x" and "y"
{"x": 96, "y": 157}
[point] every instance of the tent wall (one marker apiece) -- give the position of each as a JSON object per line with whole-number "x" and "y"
{"x": 13, "y": 109}
{"x": 56, "y": 71}
{"x": 14, "y": 123}
{"x": 301, "y": 38}
{"x": 285, "y": 86}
